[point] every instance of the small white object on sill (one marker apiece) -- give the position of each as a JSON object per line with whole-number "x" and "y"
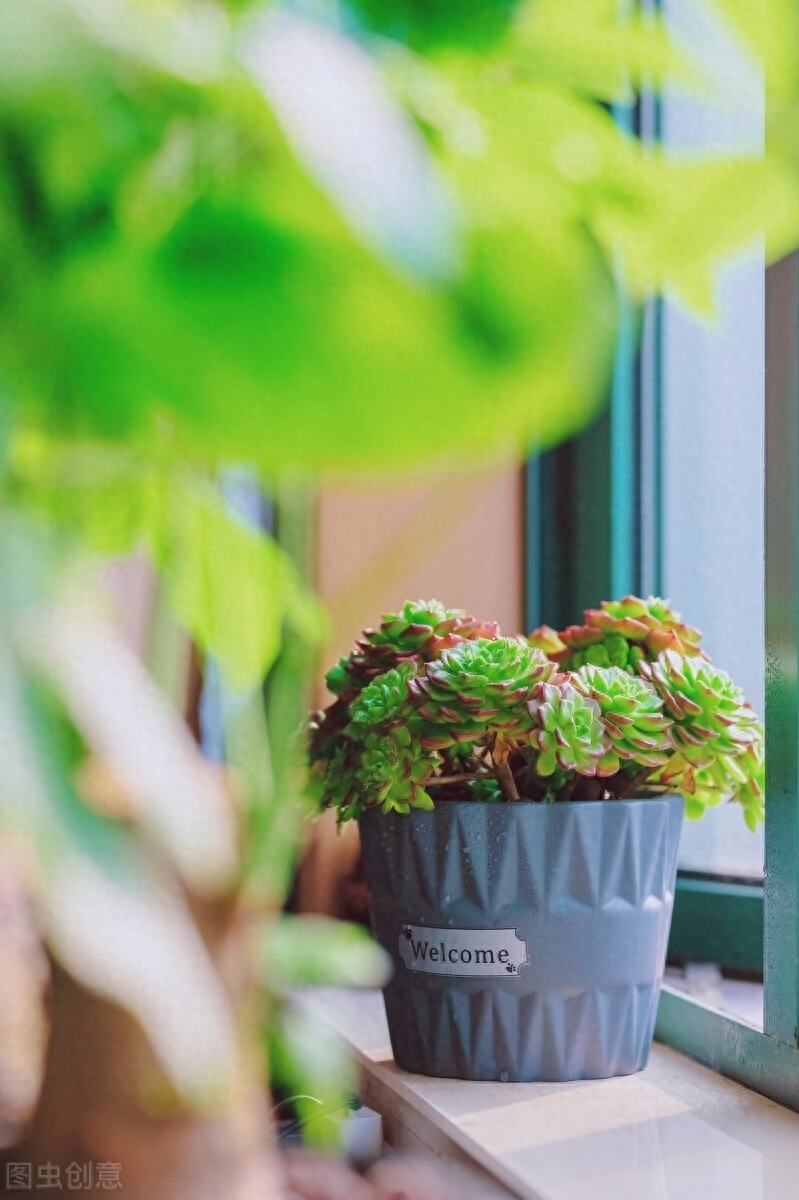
{"x": 675, "y": 1131}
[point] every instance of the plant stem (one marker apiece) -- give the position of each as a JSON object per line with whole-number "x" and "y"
{"x": 567, "y": 791}
{"x": 634, "y": 781}
{"x": 506, "y": 781}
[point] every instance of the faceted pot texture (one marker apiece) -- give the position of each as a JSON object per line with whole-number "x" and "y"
{"x": 528, "y": 940}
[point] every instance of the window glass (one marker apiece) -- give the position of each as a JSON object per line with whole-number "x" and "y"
{"x": 712, "y": 395}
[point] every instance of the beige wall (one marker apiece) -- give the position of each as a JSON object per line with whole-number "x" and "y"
{"x": 457, "y": 538}
{"x": 454, "y": 537}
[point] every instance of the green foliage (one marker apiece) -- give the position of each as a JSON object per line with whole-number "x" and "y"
{"x": 168, "y": 197}
{"x": 620, "y": 633}
{"x": 113, "y": 913}
{"x": 632, "y": 716}
{"x": 436, "y": 24}
{"x": 303, "y": 952}
{"x": 499, "y": 718}
{"x": 568, "y": 730}
{"x": 385, "y": 701}
{"x": 475, "y": 688}
{"x": 717, "y": 738}
{"x": 393, "y": 770}
{"x": 416, "y": 634}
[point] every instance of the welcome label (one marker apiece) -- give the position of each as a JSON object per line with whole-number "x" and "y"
{"x": 462, "y": 951}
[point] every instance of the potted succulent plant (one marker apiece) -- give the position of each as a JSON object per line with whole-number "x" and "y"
{"x": 520, "y": 803}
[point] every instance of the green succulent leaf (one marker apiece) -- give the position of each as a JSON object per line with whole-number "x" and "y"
{"x": 632, "y": 715}
{"x": 567, "y": 729}
{"x": 385, "y": 701}
{"x": 479, "y": 687}
{"x": 710, "y": 715}
{"x": 416, "y": 634}
{"x": 622, "y": 632}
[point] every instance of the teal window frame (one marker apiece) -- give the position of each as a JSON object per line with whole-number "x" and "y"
{"x": 593, "y": 512}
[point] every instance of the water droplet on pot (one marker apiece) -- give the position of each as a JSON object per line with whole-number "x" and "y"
{"x": 504, "y": 1076}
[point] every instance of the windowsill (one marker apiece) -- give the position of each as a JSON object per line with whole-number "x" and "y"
{"x": 738, "y": 998}
{"x": 674, "y": 1131}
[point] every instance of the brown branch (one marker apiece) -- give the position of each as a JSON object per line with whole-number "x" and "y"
{"x": 439, "y": 779}
{"x": 506, "y": 781}
{"x": 634, "y": 781}
{"x": 567, "y": 791}
{"x": 590, "y": 786}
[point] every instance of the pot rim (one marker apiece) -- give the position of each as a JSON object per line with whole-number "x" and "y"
{"x": 528, "y": 805}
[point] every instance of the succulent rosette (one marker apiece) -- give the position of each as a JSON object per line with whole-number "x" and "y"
{"x": 414, "y": 635}
{"x": 620, "y": 633}
{"x": 740, "y": 778}
{"x": 567, "y": 729}
{"x": 712, "y": 720}
{"x": 479, "y": 688}
{"x": 387, "y": 768}
{"x": 650, "y": 621}
{"x": 394, "y": 769}
{"x": 418, "y": 633}
{"x": 632, "y": 714}
{"x": 586, "y": 644}
{"x": 333, "y": 781}
{"x": 385, "y": 701}
{"x": 393, "y": 766}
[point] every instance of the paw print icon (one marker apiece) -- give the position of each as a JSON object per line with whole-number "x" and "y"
{"x": 406, "y": 932}
{"x": 511, "y": 968}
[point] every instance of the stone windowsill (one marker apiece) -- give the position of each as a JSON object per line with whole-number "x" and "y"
{"x": 676, "y": 1131}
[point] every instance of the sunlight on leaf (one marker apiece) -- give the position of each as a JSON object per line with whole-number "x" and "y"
{"x": 584, "y": 44}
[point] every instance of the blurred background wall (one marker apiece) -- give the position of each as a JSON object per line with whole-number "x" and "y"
{"x": 456, "y": 537}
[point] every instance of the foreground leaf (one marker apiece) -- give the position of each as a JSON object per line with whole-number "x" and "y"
{"x": 319, "y": 952}
{"x": 144, "y": 744}
{"x": 116, "y": 921}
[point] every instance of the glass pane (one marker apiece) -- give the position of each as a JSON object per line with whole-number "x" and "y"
{"x": 712, "y": 441}
{"x": 713, "y": 516}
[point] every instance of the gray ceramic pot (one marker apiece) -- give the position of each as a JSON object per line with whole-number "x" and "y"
{"x": 528, "y": 940}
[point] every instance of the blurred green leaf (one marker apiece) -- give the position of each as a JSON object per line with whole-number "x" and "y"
{"x": 771, "y": 31}
{"x": 309, "y": 951}
{"x": 358, "y": 143}
{"x": 664, "y": 219}
{"x": 282, "y": 350}
{"x": 116, "y": 500}
{"x": 178, "y": 280}
{"x": 308, "y": 1060}
{"x": 436, "y": 24}
{"x": 114, "y": 919}
{"x": 142, "y": 742}
{"x": 597, "y": 49}
{"x": 230, "y": 584}
{"x": 314, "y": 1068}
